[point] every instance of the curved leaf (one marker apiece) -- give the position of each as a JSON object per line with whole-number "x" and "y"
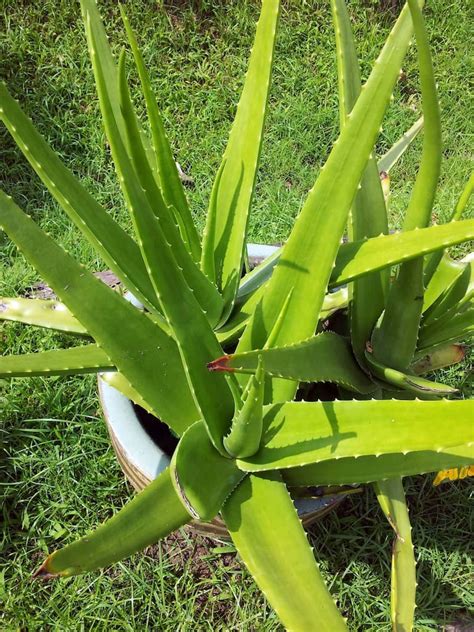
{"x": 151, "y": 515}
{"x": 41, "y": 313}
{"x": 203, "y": 478}
{"x": 261, "y": 517}
{"x": 86, "y": 359}
{"x": 326, "y": 357}
{"x": 298, "y": 433}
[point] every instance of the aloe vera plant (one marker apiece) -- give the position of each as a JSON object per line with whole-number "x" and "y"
{"x": 221, "y": 357}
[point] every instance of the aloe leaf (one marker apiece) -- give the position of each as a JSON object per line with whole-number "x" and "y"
{"x": 391, "y": 157}
{"x": 354, "y": 259}
{"x": 257, "y": 277}
{"x": 447, "y": 271}
{"x": 224, "y": 235}
{"x": 151, "y": 515}
{"x": 170, "y": 182}
{"x": 435, "y": 259}
{"x": 41, "y": 313}
{"x": 358, "y": 258}
{"x": 408, "y": 382}
{"x": 143, "y": 352}
{"x": 326, "y": 357}
{"x": 298, "y": 433}
{"x": 454, "y": 326}
{"x": 137, "y": 180}
{"x": 368, "y": 469}
{"x": 394, "y": 340}
{"x": 459, "y": 292}
{"x": 235, "y": 325}
{"x": 86, "y": 359}
{"x": 439, "y": 358}
{"x": 205, "y": 292}
{"x": 197, "y": 343}
{"x": 245, "y": 433}
{"x": 121, "y": 384}
{"x": 117, "y": 249}
{"x": 368, "y": 217}
{"x": 391, "y": 497}
{"x": 260, "y": 517}
{"x": 307, "y": 259}
{"x": 202, "y": 477}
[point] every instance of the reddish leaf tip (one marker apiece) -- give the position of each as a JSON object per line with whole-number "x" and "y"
{"x": 221, "y": 364}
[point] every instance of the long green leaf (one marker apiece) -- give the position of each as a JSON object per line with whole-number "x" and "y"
{"x": 391, "y": 497}
{"x": 454, "y": 326}
{"x": 86, "y": 359}
{"x": 368, "y": 217}
{"x": 446, "y": 273}
{"x": 307, "y": 259}
{"x": 245, "y": 433}
{"x": 459, "y": 292}
{"x": 298, "y": 433}
{"x": 367, "y": 469}
{"x": 394, "y": 340}
{"x": 203, "y": 478}
{"x": 170, "y": 182}
{"x": 435, "y": 259}
{"x": 358, "y": 258}
{"x": 41, "y": 313}
{"x": 389, "y": 159}
{"x": 224, "y": 236}
{"x": 206, "y": 293}
{"x": 326, "y": 357}
{"x": 195, "y": 339}
{"x": 265, "y": 528}
{"x": 121, "y": 384}
{"x": 408, "y": 382}
{"x": 151, "y": 515}
{"x": 147, "y": 356}
{"x": 117, "y": 249}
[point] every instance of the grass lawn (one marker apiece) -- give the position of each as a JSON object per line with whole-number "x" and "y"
{"x": 59, "y": 475}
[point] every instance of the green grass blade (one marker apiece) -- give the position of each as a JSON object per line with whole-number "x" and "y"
{"x": 368, "y": 469}
{"x": 151, "y": 515}
{"x": 265, "y": 528}
{"x": 86, "y": 359}
{"x": 146, "y": 355}
{"x": 394, "y": 341}
{"x": 358, "y": 258}
{"x": 202, "y": 477}
{"x": 408, "y": 382}
{"x": 246, "y": 431}
{"x": 368, "y": 217}
{"x": 41, "y": 313}
{"x": 307, "y": 258}
{"x": 298, "y": 433}
{"x": 117, "y": 249}
{"x": 389, "y": 159}
{"x": 391, "y": 497}
{"x": 326, "y": 357}
{"x": 170, "y": 182}
{"x": 224, "y": 236}
{"x": 205, "y": 292}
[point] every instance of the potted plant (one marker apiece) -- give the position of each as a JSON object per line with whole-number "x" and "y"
{"x": 237, "y": 366}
